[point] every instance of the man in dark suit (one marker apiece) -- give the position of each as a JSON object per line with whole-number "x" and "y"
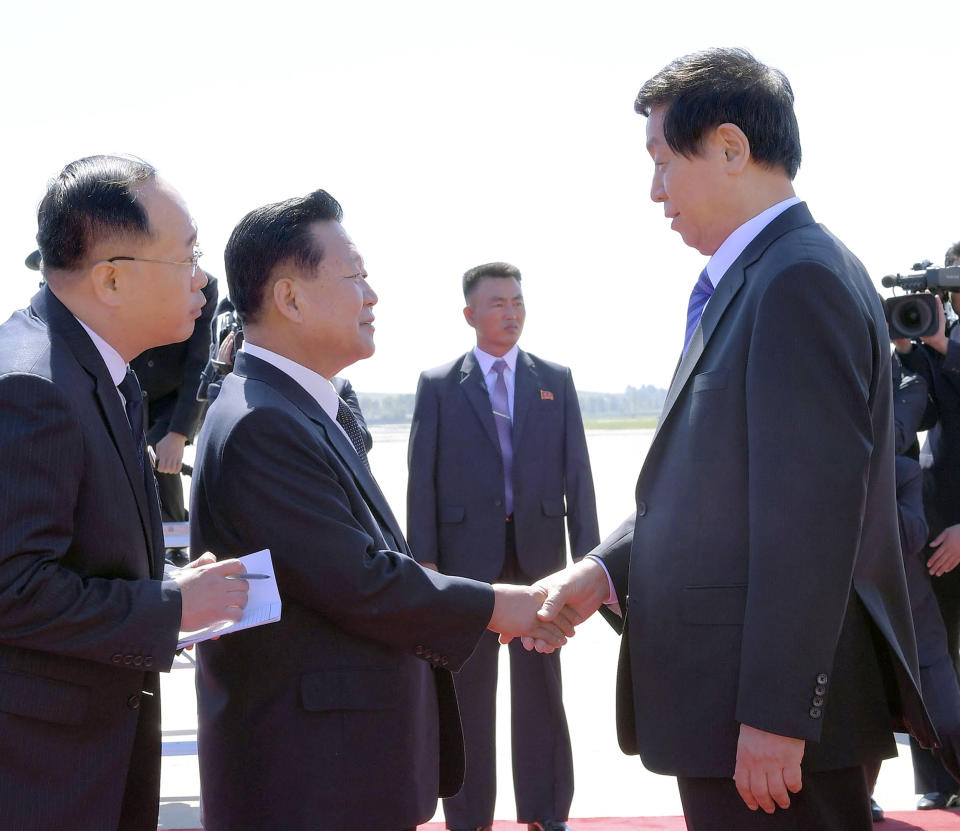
{"x": 767, "y": 641}
{"x": 936, "y": 361}
{"x": 343, "y": 714}
{"x": 490, "y": 483}
{"x": 86, "y": 621}
{"x": 169, "y": 376}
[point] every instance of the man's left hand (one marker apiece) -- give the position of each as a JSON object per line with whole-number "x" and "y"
{"x": 768, "y": 766}
{"x": 170, "y": 453}
{"x": 947, "y": 553}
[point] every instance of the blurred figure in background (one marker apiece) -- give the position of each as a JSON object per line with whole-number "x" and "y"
{"x": 169, "y": 376}
{"x": 936, "y": 360}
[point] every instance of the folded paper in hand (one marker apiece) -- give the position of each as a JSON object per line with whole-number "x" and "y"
{"x": 263, "y": 602}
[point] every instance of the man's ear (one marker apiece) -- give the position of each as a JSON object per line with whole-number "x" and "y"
{"x": 468, "y": 315}
{"x": 287, "y": 300}
{"x": 106, "y": 281}
{"x": 735, "y": 146}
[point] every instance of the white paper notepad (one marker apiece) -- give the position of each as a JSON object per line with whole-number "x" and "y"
{"x": 263, "y": 602}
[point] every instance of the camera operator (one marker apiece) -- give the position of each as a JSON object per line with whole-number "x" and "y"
{"x": 936, "y": 359}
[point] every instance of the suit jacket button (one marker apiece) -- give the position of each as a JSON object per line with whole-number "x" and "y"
{"x": 820, "y": 689}
{"x": 418, "y": 651}
{"x": 822, "y": 678}
{"x": 128, "y": 659}
{"x": 117, "y": 658}
{"x": 498, "y": 502}
{"x": 148, "y": 661}
{"x": 138, "y": 661}
{"x": 443, "y": 662}
{"x": 133, "y": 702}
{"x": 641, "y": 509}
{"x": 817, "y": 701}
{"x": 815, "y": 712}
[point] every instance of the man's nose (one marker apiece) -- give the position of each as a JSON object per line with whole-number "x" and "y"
{"x": 369, "y": 295}
{"x": 657, "y": 193}
{"x": 199, "y": 279}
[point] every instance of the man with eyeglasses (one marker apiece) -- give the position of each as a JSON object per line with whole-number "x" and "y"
{"x": 86, "y": 620}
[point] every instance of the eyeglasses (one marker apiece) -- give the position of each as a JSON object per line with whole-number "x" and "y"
{"x": 192, "y": 262}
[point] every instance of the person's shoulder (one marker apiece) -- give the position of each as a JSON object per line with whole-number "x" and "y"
{"x": 450, "y": 368}
{"x": 542, "y": 364}
{"x": 28, "y": 346}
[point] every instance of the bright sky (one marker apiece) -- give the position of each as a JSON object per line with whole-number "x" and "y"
{"x": 457, "y": 133}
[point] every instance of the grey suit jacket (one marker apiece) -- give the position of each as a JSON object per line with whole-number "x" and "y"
{"x": 343, "y": 714}
{"x": 455, "y": 511}
{"x": 761, "y": 574}
{"x": 83, "y": 628}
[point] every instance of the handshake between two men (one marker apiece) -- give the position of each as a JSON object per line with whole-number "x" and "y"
{"x": 545, "y": 614}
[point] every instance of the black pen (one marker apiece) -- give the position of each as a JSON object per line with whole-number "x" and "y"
{"x": 247, "y": 576}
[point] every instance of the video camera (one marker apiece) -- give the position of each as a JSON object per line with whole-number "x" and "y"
{"x": 915, "y": 315}
{"x": 224, "y": 324}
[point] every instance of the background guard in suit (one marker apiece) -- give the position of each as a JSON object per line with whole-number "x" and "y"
{"x": 768, "y": 648}
{"x": 169, "y": 376}
{"x": 936, "y": 360}
{"x": 86, "y": 621}
{"x": 342, "y": 715}
{"x": 463, "y": 484}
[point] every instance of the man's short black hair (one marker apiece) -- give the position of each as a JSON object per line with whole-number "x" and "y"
{"x": 479, "y": 272}
{"x": 269, "y": 236}
{"x": 92, "y": 198}
{"x": 719, "y": 86}
{"x": 952, "y": 257}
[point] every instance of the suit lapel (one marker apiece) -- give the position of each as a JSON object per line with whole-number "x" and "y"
{"x": 524, "y": 389}
{"x": 248, "y": 366}
{"x": 60, "y": 320}
{"x": 733, "y": 279}
{"x": 475, "y": 389}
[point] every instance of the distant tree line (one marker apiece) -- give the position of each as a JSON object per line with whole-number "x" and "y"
{"x": 634, "y": 402}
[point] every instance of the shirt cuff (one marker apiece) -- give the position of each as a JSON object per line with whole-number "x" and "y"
{"x": 612, "y": 594}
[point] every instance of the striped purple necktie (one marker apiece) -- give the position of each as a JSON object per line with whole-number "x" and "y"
{"x": 698, "y": 299}
{"x": 501, "y": 415}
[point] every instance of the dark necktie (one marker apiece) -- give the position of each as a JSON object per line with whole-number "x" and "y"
{"x": 698, "y": 299}
{"x": 348, "y": 421}
{"x": 130, "y": 389}
{"x": 501, "y": 417}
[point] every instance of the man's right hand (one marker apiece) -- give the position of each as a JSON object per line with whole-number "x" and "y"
{"x": 574, "y": 593}
{"x": 206, "y": 596}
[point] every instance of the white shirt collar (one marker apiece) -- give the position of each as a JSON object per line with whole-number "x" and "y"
{"x": 734, "y": 245}
{"x": 319, "y": 388}
{"x": 486, "y": 360}
{"x": 116, "y": 366}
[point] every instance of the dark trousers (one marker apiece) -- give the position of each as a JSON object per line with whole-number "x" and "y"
{"x": 169, "y": 485}
{"x": 835, "y": 800}
{"x": 929, "y": 775}
{"x": 170, "y": 491}
{"x": 542, "y": 756}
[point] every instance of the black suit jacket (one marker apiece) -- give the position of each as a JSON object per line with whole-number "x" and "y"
{"x": 343, "y": 714}
{"x": 83, "y": 628}
{"x": 169, "y": 376}
{"x": 455, "y": 511}
{"x": 763, "y": 562}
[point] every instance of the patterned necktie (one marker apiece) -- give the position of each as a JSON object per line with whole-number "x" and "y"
{"x": 130, "y": 389}
{"x": 348, "y": 421}
{"x": 698, "y": 299}
{"x": 501, "y": 416}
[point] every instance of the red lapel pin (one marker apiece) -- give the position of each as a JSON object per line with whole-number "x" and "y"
{"x": 546, "y": 395}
